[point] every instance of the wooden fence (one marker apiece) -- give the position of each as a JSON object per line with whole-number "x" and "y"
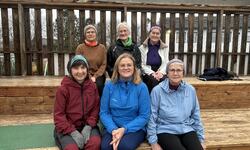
{"x": 39, "y": 38}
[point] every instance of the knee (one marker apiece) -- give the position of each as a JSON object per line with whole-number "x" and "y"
{"x": 126, "y": 146}
{"x": 71, "y": 147}
{"x": 94, "y": 143}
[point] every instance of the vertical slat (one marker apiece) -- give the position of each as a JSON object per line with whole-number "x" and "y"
{"x": 6, "y": 40}
{"x": 190, "y": 42}
{"x": 60, "y": 36}
{"x": 28, "y": 40}
{"x": 243, "y": 43}
{"x": 199, "y": 43}
{"x": 181, "y": 35}
{"x": 113, "y": 27}
{"x": 22, "y": 40}
{"x": 218, "y": 37}
{"x": 153, "y": 18}
{"x": 50, "y": 41}
{"x": 124, "y": 14}
{"x": 163, "y": 26}
{"x": 92, "y": 16}
{"x": 143, "y": 26}
{"x": 16, "y": 37}
{"x": 134, "y": 26}
{"x": 38, "y": 42}
{"x": 235, "y": 41}
{"x": 71, "y": 32}
{"x": 82, "y": 24}
{"x": 102, "y": 29}
{"x": 172, "y": 35}
{"x": 209, "y": 40}
{"x": 226, "y": 40}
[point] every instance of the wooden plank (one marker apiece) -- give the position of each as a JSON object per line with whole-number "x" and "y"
{"x": 60, "y": 36}
{"x": 172, "y": 35}
{"x": 38, "y": 41}
{"x": 71, "y": 34}
{"x": 226, "y": 40}
{"x": 134, "y": 26}
{"x": 143, "y": 26}
{"x": 92, "y": 16}
{"x": 209, "y": 40}
{"x": 28, "y": 40}
{"x": 82, "y": 24}
{"x": 50, "y": 41}
{"x": 102, "y": 29}
{"x": 181, "y": 35}
{"x": 113, "y": 28}
{"x": 163, "y": 26}
{"x": 235, "y": 41}
{"x": 190, "y": 41}
{"x": 243, "y": 43}
{"x": 218, "y": 38}
{"x": 16, "y": 33}
{"x": 199, "y": 44}
{"x": 153, "y": 18}
{"x": 6, "y": 40}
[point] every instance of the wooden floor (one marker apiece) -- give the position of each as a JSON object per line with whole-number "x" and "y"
{"x": 223, "y": 127}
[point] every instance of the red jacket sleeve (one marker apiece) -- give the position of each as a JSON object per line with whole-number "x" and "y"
{"x": 94, "y": 112}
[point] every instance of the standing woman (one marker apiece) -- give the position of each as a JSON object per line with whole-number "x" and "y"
{"x": 123, "y": 44}
{"x": 154, "y": 55}
{"x": 125, "y": 107}
{"x": 95, "y": 54}
{"x": 175, "y": 122}
{"x": 76, "y": 109}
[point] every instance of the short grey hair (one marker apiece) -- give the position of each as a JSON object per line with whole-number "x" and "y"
{"x": 175, "y": 60}
{"x": 122, "y": 24}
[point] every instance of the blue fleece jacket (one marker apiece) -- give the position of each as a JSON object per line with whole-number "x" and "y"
{"x": 174, "y": 111}
{"x": 125, "y": 104}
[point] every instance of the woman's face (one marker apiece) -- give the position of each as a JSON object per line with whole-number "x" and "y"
{"x": 79, "y": 73}
{"x": 175, "y": 73}
{"x": 155, "y": 36}
{"x": 123, "y": 33}
{"x": 126, "y": 68}
{"x": 90, "y": 35}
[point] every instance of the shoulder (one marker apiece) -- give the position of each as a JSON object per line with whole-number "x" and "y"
{"x": 101, "y": 46}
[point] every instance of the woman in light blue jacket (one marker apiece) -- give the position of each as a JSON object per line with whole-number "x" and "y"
{"x": 125, "y": 107}
{"x": 175, "y": 122}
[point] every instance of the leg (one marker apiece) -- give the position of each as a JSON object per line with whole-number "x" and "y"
{"x": 170, "y": 142}
{"x": 100, "y": 81}
{"x": 65, "y": 142}
{"x": 94, "y": 142}
{"x": 190, "y": 141}
{"x": 150, "y": 81}
{"x": 131, "y": 141}
{"x": 106, "y": 139}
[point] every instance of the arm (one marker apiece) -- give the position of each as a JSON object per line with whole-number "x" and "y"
{"x": 110, "y": 61}
{"x": 105, "y": 114}
{"x": 151, "y": 127}
{"x": 79, "y": 50}
{"x": 94, "y": 113}
{"x": 137, "y": 56}
{"x": 60, "y": 119}
{"x": 102, "y": 68}
{"x": 143, "y": 111}
{"x": 164, "y": 59}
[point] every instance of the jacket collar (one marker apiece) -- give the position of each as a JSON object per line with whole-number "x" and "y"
{"x": 162, "y": 44}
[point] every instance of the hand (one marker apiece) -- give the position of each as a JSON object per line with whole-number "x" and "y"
{"x": 203, "y": 146}
{"x": 156, "y": 146}
{"x": 93, "y": 79}
{"x": 86, "y": 133}
{"x": 116, "y": 136}
{"x": 159, "y": 75}
{"x": 78, "y": 138}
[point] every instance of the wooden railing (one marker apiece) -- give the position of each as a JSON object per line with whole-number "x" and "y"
{"x": 39, "y": 38}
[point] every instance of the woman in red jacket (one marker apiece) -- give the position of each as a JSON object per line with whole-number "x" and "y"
{"x": 76, "y": 109}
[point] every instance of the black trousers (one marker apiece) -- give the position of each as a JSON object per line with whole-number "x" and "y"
{"x": 100, "y": 81}
{"x": 187, "y": 141}
{"x": 151, "y": 82}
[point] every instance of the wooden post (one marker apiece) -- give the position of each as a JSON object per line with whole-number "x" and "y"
{"x": 218, "y": 38}
{"x": 22, "y": 40}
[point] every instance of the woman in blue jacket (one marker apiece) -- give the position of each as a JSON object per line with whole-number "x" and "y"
{"x": 175, "y": 122}
{"x": 125, "y": 107}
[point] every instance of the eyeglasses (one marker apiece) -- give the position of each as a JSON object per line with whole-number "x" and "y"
{"x": 175, "y": 70}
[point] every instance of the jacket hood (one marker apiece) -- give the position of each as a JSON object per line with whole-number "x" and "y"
{"x": 162, "y": 44}
{"x": 68, "y": 81}
{"x": 165, "y": 86}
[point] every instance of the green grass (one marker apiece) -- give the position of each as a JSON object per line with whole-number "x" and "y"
{"x": 26, "y": 136}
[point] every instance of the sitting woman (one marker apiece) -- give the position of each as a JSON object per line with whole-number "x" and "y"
{"x": 175, "y": 122}
{"x": 76, "y": 109}
{"x": 96, "y": 56}
{"x": 154, "y": 55}
{"x": 125, "y": 107}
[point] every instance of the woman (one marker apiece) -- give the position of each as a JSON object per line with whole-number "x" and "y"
{"x": 125, "y": 107}
{"x": 154, "y": 55}
{"x": 123, "y": 44}
{"x": 76, "y": 109}
{"x": 96, "y": 55}
{"x": 175, "y": 122}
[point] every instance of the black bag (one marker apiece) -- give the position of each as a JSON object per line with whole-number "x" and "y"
{"x": 216, "y": 74}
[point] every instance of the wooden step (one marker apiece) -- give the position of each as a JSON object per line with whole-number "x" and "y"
{"x": 225, "y": 129}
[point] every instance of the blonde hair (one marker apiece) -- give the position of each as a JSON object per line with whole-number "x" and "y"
{"x": 136, "y": 78}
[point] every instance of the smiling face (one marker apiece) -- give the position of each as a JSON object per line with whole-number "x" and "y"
{"x": 123, "y": 33}
{"x": 175, "y": 73}
{"x": 79, "y": 73}
{"x": 155, "y": 36}
{"x": 90, "y": 35}
{"x": 126, "y": 68}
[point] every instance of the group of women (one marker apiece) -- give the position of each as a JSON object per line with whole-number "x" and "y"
{"x": 146, "y": 97}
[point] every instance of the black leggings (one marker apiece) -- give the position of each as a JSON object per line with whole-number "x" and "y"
{"x": 151, "y": 82}
{"x": 100, "y": 81}
{"x": 187, "y": 141}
